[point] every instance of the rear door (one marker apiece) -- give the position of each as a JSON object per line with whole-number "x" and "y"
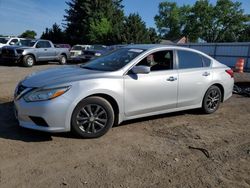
{"x": 195, "y": 76}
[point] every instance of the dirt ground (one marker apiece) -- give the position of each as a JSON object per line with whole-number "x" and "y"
{"x": 148, "y": 152}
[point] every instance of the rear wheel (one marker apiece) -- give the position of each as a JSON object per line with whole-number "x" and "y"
{"x": 212, "y": 99}
{"x": 92, "y": 117}
{"x": 63, "y": 60}
{"x": 28, "y": 61}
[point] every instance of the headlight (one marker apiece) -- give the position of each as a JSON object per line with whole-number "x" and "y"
{"x": 45, "y": 94}
{"x": 98, "y": 54}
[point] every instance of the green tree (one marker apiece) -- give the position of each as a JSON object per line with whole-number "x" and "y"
{"x": 169, "y": 18}
{"x": 220, "y": 23}
{"x": 135, "y": 30}
{"x": 84, "y": 16}
{"x": 223, "y": 22}
{"x": 245, "y": 34}
{"x": 28, "y": 34}
{"x": 100, "y": 30}
{"x": 153, "y": 36}
{"x": 55, "y": 34}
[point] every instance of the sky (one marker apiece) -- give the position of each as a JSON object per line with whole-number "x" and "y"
{"x": 16, "y": 16}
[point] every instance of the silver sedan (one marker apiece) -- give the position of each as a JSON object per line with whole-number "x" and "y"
{"x": 131, "y": 82}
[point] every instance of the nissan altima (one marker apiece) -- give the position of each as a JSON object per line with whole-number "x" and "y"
{"x": 132, "y": 82}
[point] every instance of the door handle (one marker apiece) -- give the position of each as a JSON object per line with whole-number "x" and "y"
{"x": 45, "y": 49}
{"x": 171, "y": 79}
{"x": 206, "y": 74}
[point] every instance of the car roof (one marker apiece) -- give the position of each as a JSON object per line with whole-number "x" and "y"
{"x": 156, "y": 46}
{"x": 146, "y": 46}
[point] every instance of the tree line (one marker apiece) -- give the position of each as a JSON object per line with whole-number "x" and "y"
{"x": 104, "y": 22}
{"x": 100, "y": 22}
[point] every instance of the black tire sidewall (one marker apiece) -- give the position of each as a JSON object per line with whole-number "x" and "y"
{"x": 204, "y": 106}
{"x": 93, "y": 100}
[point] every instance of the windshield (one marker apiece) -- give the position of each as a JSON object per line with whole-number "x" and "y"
{"x": 28, "y": 43}
{"x": 4, "y": 40}
{"x": 113, "y": 61}
{"x": 77, "y": 48}
{"x": 98, "y": 47}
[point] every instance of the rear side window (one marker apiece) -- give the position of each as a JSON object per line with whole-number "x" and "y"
{"x": 206, "y": 61}
{"x": 188, "y": 60}
{"x": 46, "y": 44}
{"x": 43, "y": 44}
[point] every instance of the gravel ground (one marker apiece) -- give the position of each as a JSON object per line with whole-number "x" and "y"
{"x": 150, "y": 152}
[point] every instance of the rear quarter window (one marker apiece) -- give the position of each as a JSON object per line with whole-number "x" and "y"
{"x": 206, "y": 61}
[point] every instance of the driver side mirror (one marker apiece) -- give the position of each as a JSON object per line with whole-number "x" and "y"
{"x": 12, "y": 43}
{"x": 38, "y": 46}
{"x": 142, "y": 69}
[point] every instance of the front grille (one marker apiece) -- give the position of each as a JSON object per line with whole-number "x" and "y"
{"x": 8, "y": 52}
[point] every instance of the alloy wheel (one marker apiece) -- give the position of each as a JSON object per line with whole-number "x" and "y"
{"x": 92, "y": 118}
{"x": 213, "y": 99}
{"x": 30, "y": 61}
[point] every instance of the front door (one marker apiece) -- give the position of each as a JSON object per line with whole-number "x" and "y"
{"x": 152, "y": 92}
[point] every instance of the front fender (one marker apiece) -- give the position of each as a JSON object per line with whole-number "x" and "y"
{"x": 29, "y": 52}
{"x": 84, "y": 89}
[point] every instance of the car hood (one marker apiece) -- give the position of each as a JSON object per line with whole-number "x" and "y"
{"x": 16, "y": 47}
{"x": 1, "y": 44}
{"x": 64, "y": 74}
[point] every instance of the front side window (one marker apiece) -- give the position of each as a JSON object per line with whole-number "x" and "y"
{"x": 113, "y": 61}
{"x": 43, "y": 44}
{"x": 13, "y": 41}
{"x": 39, "y": 45}
{"x": 24, "y": 42}
{"x": 158, "y": 61}
{"x": 188, "y": 60}
{"x": 46, "y": 44}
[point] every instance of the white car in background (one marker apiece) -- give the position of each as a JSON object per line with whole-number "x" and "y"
{"x": 76, "y": 50}
{"x": 8, "y": 41}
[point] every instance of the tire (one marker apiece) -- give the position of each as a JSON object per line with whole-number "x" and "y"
{"x": 28, "y": 61}
{"x": 63, "y": 60}
{"x": 212, "y": 99}
{"x": 92, "y": 117}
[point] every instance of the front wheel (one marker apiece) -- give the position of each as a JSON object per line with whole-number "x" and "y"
{"x": 28, "y": 61}
{"x": 92, "y": 117}
{"x": 63, "y": 60}
{"x": 212, "y": 99}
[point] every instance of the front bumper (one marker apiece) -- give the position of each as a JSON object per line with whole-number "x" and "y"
{"x": 14, "y": 59}
{"x": 54, "y": 112}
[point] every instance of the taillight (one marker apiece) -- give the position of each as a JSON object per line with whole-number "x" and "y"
{"x": 230, "y": 72}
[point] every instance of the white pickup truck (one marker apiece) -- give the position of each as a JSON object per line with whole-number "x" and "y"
{"x": 34, "y": 51}
{"x": 8, "y": 41}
